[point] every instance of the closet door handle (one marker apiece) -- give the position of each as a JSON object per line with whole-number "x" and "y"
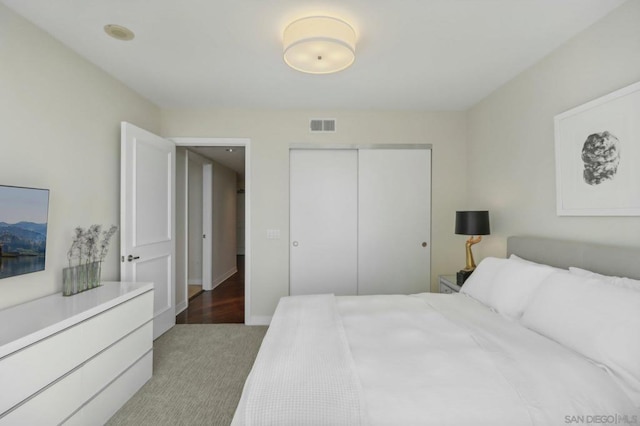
{"x": 131, "y": 258}
{"x": 295, "y": 244}
{"x": 424, "y": 244}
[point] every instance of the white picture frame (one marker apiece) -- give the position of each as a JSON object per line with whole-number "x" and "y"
{"x": 597, "y": 147}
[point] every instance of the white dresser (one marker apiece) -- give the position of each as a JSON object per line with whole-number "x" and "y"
{"x": 75, "y": 360}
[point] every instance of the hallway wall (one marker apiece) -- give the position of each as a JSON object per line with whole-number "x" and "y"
{"x": 224, "y": 223}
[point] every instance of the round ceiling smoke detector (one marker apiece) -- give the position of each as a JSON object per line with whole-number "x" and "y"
{"x": 119, "y": 32}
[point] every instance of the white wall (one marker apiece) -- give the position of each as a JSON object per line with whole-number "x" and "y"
{"x": 271, "y": 133}
{"x": 224, "y": 223}
{"x": 60, "y": 129}
{"x": 511, "y": 136}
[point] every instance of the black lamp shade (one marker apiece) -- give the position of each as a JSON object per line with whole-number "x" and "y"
{"x": 472, "y": 222}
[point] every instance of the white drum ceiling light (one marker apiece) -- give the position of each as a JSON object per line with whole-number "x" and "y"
{"x": 319, "y": 45}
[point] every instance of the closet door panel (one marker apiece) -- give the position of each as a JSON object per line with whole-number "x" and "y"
{"x": 394, "y": 221}
{"x": 323, "y": 222}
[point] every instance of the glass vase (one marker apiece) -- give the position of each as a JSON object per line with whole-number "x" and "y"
{"x": 76, "y": 279}
{"x": 69, "y": 281}
{"x": 93, "y": 274}
{"x": 83, "y": 278}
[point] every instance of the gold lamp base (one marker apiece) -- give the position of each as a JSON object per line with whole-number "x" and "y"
{"x": 463, "y": 274}
{"x": 470, "y": 263}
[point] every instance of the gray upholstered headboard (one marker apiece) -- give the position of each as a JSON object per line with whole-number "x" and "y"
{"x": 607, "y": 260}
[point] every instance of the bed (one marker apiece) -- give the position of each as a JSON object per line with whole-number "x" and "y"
{"x": 549, "y": 336}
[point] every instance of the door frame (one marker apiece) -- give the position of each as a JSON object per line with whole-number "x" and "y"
{"x": 246, "y": 143}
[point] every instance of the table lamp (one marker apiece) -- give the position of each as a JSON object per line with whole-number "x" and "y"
{"x": 472, "y": 223}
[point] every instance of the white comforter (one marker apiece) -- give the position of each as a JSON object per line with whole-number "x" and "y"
{"x": 425, "y": 359}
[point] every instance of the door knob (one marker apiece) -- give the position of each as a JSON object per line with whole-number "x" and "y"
{"x": 424, "y": 244}
{"x": 295, "y": 244}
{"x": 131, "y": 258}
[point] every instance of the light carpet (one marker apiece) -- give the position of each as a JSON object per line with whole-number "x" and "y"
{"x": 198, "y": 374}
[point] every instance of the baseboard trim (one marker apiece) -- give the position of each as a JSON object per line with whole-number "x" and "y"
{"x": 224, "y": 277}
{"x": 259, "y": 320}
{"x": 181, "y": 306}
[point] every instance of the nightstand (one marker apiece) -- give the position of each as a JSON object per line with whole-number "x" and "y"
{"x": 448, "y": 284}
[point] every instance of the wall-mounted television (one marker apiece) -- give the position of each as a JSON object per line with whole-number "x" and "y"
{"x": 23, "y": 230}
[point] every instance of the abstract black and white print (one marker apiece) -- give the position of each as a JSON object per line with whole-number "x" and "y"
{"x": 601, "y": 156}
{"x": 598, "y": 156}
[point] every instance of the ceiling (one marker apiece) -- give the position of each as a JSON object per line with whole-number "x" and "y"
{"x": 229, "y": 156}
{"x": 410, "y": 54}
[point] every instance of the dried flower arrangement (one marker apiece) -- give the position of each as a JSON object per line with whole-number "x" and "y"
{"x": 88, "y": 249}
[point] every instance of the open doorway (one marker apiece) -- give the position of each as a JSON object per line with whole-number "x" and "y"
{"x": 211, "y": 219}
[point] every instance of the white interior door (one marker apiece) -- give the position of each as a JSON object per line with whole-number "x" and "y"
{"x": 323, "y": 221}
{"x": 394, "y": 247}
{"x": 147, "y": 191}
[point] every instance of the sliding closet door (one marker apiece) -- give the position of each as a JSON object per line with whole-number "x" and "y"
{"x": 323, "y": 221}
{"x": 394, "y": 221}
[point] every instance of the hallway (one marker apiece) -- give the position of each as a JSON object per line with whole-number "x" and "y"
{"x": 222, "y": 305}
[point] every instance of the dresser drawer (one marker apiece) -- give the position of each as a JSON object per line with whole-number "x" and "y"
{"x": 69, "y": 393}
{"x": 101, "y": 370}
{"x": 110, "y": 326}
{"x": 104, "y": 405}
{"x": 49, "y": 407}
{"x": 34, "y": 367}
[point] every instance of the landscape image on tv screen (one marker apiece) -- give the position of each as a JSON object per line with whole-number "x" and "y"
{"x": 23, "y": 230}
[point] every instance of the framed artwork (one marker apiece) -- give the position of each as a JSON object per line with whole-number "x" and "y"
{"x": 23, "y": 230}
{"x": 598, "y": 156}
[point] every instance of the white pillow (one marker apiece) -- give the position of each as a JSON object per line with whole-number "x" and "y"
{"x": 619, "y": 281}
{"x": 514, "y": 257}
{"x": 480, "y": 283}
{"x": 514, "y": 284}
{"x": 596, "y": 319}
{"x": 518, "y": 258}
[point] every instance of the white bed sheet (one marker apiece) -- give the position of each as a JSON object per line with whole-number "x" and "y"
{"x": 433, "y": 359}
{"x": 304, "y": 373}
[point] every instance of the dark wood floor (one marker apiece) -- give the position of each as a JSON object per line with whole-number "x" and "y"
{"x": 223, "y": 304}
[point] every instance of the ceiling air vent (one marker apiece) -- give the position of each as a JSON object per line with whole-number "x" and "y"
{"x": 322, "y": 125}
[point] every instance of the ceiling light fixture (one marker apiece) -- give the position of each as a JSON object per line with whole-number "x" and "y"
{"x": 119, "y": 32}
{"x": 319, "y": 45}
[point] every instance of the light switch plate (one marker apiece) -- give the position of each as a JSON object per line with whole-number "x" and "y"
{"x": 273, "y": 234}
